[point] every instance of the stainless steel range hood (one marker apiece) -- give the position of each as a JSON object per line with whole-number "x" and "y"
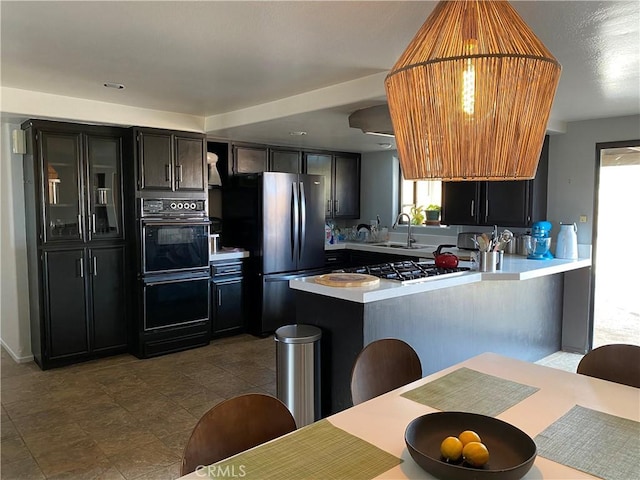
{"x": 373, "y": 120}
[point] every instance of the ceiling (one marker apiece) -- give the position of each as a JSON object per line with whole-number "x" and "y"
{"x": 255, "y": 71}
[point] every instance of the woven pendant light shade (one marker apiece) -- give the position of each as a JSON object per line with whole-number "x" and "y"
{"x": 471, "y": 95}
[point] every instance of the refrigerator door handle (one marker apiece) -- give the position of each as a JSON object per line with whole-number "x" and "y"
{"x": 303, "y": 220}
{"x": 295, "y": 215}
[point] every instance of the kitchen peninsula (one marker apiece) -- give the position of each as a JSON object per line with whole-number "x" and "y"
{"x": 518, "y": 312}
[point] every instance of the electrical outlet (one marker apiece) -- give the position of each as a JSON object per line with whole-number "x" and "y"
{"x": 583, "y": 219}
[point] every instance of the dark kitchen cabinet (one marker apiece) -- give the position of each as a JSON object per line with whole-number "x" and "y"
{"x": 249, "y": 159}
{"x": 108, "y": 298}
{"x": 85, "y": 303}
{"x": 287, "y": 161}
{"x": 75, "y": 241}
{"x": 227, "y": 298}
{"x": 170, "y": 161}
{"x": 342, "y": 181}
{"x": 508, "y": 203}
{"x": 66, "y": 327}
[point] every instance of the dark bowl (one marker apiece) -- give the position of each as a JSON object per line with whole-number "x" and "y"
{"x": 511, "y": 451}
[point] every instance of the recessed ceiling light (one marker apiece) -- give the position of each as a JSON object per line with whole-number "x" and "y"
{"x": 297, "y": 134}
{"x": 117, "y": 86}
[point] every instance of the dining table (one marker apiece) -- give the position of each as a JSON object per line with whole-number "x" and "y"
{"x": 583, "y": 427}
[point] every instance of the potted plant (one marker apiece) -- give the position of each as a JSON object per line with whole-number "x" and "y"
{"x": 433, "y": 213}
{"x": 417, "y": 217}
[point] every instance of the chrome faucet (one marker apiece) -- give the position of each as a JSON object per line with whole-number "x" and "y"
{"x": 395, "y": 224}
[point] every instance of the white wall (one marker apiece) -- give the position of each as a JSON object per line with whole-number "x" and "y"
{"x": 572, "y": 167}
{"x": 14, "y": 300}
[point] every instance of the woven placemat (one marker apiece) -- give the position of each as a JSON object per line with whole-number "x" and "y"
{"x": 594, "y": 442}
{"x": 318, "y": 451}
{"x": 466, "y": 390}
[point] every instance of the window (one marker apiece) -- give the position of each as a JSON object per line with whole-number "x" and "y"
{"x": 419, "y": 192}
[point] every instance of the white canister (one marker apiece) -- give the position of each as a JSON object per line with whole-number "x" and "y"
{"x": 567, "y": 244}
{"x": 214, "y": 243}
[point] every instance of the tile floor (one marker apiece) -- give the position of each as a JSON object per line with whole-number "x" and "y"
{"x": 125, "y": 418}
{"x": 121, "y": 417}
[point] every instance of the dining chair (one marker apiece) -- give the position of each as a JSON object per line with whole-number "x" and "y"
{"x": 617, "y": 362}
{"x": 382, "y": 366}
{"x": 233, "y": 426}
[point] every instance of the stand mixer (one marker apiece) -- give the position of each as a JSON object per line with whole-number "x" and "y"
{"x": 540, "y": 241}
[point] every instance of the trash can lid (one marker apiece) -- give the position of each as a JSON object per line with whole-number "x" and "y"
{"x": 298, "y": 334}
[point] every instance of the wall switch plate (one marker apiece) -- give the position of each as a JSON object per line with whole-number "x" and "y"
{"x": 583, "y": 219}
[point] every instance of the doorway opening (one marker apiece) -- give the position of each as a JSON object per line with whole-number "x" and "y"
{"x": 616, "y": 281}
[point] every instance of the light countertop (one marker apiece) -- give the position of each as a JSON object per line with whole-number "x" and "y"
{"x": 515, "y": 268}
{"x": 228, "y": 254}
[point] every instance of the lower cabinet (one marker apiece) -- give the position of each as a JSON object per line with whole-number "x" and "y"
{"x": 84, "y": 313}
{"x": 227, "y": 296}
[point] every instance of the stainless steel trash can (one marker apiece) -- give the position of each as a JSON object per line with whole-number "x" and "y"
{"x": 298, "y": 371}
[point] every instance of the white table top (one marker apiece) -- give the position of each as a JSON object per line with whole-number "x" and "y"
{"x": 382, "y": 421}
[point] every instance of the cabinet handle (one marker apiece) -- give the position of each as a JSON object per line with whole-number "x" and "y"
{"x": 80, "y": 225}
{"x": 219, "y": 298}
{"x": 328, "y": 205}
{"x": 93, "y": 223}
{"x": 486, "y": 209}
{"x": 95, "y": 266}
{"x": 337, "y": 206}
{"x": 179, "y": 173}
{"x": 167, "y": 172}
{"x": 473, "y": 209}
{"x": 81, "y": 265}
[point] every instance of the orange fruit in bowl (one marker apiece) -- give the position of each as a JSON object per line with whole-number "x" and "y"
{"x": 469, "y": 436}
{"x": 451, "y": 449}
{"x": 475, "y": 454}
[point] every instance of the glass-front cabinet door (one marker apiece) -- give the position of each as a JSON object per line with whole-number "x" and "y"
{"x": 104, "y": 185}
{"x": 61, "y": 155}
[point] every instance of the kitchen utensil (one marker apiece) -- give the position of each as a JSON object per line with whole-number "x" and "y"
{"x": 567, "y": 244}
{"x": 504, "y": 238}
{"x": 445, "y": 259}
{"x": 511, "y": 451}
{"x": 483, "y": 242}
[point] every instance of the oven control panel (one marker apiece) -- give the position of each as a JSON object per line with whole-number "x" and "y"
{"x": 172, "y": 207}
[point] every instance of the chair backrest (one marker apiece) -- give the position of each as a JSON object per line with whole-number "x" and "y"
{"x": 233, "y": 426}
{"x": 382, "y": 366}
{"x": 618, "y": 363}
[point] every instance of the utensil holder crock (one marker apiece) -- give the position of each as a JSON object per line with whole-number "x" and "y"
{"x": 488, "y": 261}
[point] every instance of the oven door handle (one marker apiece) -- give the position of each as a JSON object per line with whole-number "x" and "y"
{"x": 185, "y": 222}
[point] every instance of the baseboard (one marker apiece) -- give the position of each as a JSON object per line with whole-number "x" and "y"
{"x": 16, "y": 358}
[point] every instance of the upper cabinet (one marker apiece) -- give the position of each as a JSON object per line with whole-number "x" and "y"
{"x": 342, "y": 181}
{"x": 509, "y": 203}
{"x": 77, "y": 175}
{"x": 249, "y": 159}
{"x": 283, "y": 160}
{"x": 171, "y": 161}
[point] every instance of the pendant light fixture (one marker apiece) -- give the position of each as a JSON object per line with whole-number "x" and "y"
{"x": 471, "y": 95}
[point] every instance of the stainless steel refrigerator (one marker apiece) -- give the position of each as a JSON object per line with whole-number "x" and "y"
{"x": 279, "y": 219}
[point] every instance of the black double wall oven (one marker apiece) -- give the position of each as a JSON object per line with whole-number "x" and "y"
{"x": 173, "y": 261}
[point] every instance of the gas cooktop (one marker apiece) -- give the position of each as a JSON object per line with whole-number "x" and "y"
{"x": 407, "y": 271}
